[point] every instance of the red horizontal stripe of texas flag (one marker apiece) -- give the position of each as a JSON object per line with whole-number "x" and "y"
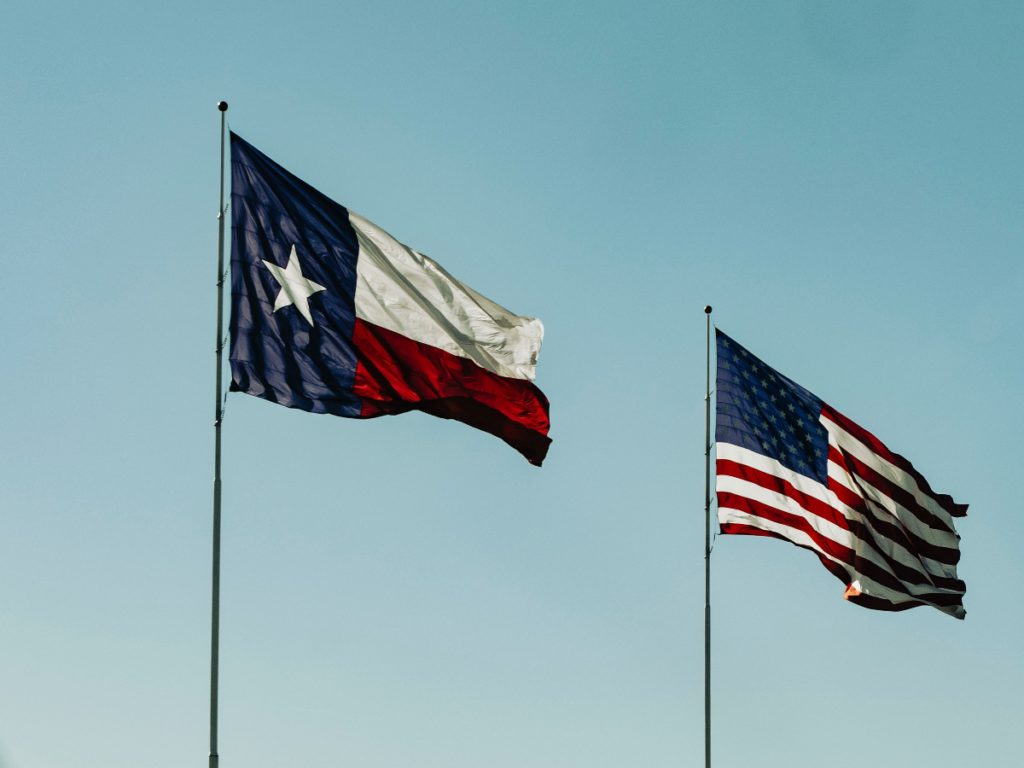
{"x": 395, "y": 374}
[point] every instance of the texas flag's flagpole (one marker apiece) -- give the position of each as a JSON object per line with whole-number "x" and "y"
{"x": 707, "y": 544}
{"x": 218, "y": 416}
{"x": 331, "y": 314}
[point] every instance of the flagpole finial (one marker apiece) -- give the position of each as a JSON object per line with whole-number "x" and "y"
{"x": 222, "y": 106}
{"x": 707, "y": 309}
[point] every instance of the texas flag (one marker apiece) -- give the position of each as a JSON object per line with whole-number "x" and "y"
{"x": 330, "y": 314}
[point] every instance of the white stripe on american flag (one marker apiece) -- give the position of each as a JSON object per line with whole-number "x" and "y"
{"x": 886, "y": 509}
{"x": 862, "y": 584}
{"x": 828, "y": 497}
{"x": 918, "y": 574}
{"x": 849, "y": 444}
{"x": 844, "y": 537}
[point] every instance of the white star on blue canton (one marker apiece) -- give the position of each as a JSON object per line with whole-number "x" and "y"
{"x": 296, "y": 288}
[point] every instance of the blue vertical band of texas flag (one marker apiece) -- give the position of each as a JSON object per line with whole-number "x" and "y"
{"x": 300, "y": 337}
{"x": 274, "y": 355}
{"x": 790, "y": 466}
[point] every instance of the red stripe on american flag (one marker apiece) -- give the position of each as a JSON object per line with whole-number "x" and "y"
{"x": 825, "y": 545}
{"x": 777, "y": 484}
{"x": 862, "y": 530}
{"x": 867, "y": 601}
{"x": 899, "y": 533}
{"x": 942, "y": 499}
{"x": 798, "y": 522}
{"x": 897, "y": 493}
{"x": 880, "y": 604}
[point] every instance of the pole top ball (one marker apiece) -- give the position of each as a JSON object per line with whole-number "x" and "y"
{"x": 222, "y": 106}
{"x": 707, "y": 309}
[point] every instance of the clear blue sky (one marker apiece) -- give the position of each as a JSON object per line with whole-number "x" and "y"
{"x": 841, "y": 180}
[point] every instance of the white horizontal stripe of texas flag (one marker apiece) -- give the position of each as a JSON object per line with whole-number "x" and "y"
{"x": 401, "y": 290}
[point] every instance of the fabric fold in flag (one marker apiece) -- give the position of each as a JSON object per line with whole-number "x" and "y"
{"x": 790, "y": 466}
{"x": 331, "y": 314}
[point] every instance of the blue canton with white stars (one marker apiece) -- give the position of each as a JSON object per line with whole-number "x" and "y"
{"x": 762, "y": 410}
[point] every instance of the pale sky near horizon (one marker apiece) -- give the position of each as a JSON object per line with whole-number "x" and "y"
{"x": 841, "y": 180}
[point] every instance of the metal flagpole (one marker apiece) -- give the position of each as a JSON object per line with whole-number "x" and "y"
{"x": 707, "y": 545}
{"x": 218, "y": 418}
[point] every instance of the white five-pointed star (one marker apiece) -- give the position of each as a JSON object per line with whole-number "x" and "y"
{"x": 295, "y": 288}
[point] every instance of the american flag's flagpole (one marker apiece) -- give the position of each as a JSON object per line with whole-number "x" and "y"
{"x": 707, "y": 545}
{"x": 218, "y": 418}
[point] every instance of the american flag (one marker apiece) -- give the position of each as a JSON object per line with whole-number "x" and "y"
{"x": 790, "y": 466}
